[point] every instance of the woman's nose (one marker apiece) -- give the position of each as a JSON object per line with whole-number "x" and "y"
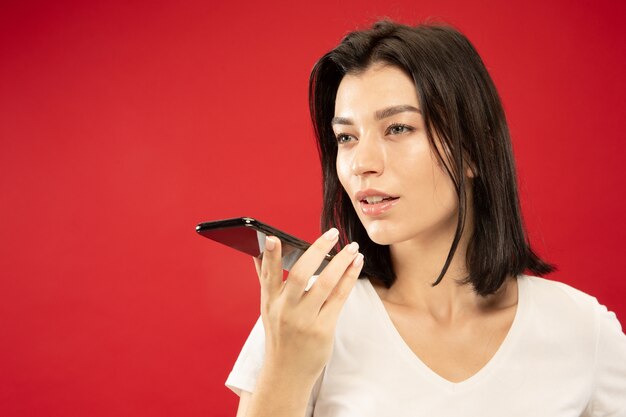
{"x": 368, "y": 157}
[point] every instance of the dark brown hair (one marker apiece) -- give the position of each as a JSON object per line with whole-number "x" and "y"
{"x": 459, "y": 103}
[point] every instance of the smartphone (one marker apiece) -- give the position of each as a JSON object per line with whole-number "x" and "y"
{"x": 247, "y": 235}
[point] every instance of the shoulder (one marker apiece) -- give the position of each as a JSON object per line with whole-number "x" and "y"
{"x": 549, "y": 294}
{"x": 565, "y": 309}
{"x": 578, "y": 335}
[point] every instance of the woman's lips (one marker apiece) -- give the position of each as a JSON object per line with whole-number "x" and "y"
{"x": 379, "y": 208}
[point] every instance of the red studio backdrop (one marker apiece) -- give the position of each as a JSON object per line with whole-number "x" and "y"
{"x": 124, "y": 124}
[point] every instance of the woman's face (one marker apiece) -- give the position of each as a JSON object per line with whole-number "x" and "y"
{"x": 382, "y": 146}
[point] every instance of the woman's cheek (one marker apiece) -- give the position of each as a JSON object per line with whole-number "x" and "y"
{"x": 342, "y": 174}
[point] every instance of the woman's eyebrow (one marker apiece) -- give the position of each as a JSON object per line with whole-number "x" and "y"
{"x": 379, "y": 114}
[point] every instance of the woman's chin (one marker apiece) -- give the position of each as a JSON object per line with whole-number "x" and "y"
{"x": 382, "y": 242}
{"x": 380, "y": 237}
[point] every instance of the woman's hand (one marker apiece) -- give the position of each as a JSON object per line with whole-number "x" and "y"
{"x": 300, "y": 325}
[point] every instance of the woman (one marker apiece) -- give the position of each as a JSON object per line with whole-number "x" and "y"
{"x": 419, "y": 176}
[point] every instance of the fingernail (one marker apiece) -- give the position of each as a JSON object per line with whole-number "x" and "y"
{"x": 353, "y": 247}
{"x": 331, "y": 234}
{"x": 269, "y": 243}
{"x": 358, "y": 261}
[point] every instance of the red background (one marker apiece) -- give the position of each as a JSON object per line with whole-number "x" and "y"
{"x": 123, "y": 125}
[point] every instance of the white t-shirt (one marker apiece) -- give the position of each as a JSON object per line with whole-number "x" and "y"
{"x": 564, "y": 356}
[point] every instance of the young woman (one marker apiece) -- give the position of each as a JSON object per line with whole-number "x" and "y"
{"x": 420, "y": 193}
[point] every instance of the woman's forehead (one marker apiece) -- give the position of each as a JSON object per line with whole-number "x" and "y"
{"x": 377, "y": 87}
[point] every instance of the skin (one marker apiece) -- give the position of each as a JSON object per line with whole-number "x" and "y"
{"x": 449, "y": 327}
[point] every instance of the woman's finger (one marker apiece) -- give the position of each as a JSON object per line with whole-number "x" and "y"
{"x": 334, "y": 303}
{"x": 308, "y": 263}
{"x": 330, "y": 276}
{"x": 257, "y": 265}
{"x": 271, "y": 276}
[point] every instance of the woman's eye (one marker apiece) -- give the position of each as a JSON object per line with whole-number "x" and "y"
{"x": 342, "y": 138}
{"x": 398, "y": 129}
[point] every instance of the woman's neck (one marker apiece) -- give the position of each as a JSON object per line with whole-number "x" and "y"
{"x": 449, "y": 301}
{"x": 417, "y": 266}
{"x": 418, "y": 263}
